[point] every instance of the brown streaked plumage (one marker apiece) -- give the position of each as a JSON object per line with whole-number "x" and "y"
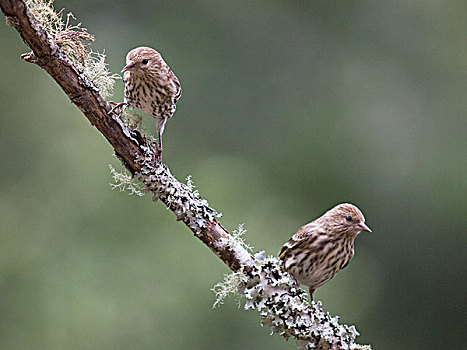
{"x": 324, "y": 246}
{"x": 151, "y": 86}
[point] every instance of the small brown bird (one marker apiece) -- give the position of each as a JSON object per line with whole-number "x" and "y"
{"x": 152, "y": 87}
{"x": 324, "y": 246}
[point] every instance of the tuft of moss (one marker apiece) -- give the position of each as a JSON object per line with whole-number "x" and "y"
{"x": 73, "y": 41}
{"x": 69, "y": 37}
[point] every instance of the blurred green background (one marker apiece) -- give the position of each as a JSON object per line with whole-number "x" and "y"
{"x": 288, "y": 108}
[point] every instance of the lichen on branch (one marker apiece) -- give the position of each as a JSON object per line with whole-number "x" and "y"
{"x": 74, "y": 41}
{"x": 266, "y": 287}
{"x": 124, "y": 182}
{"x": 69, "y": 37}
{"x": 186, "y": 204}
{"x": 285, "y": 308}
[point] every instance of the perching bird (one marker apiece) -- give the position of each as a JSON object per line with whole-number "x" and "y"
{"x": 324, "y": 246}
{"x": 150, "y": 86}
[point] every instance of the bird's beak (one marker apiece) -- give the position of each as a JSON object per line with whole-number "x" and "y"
{"x": 363, "y": 227}
{"x": 128, "y": 67}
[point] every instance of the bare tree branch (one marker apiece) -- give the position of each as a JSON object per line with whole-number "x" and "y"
{"x": 265, "y": 285}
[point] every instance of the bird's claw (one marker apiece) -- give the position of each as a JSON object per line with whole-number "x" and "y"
{"x": 297, "y": 285}
{"x": 117, "y": 106}
{"x": 157, "y": 158}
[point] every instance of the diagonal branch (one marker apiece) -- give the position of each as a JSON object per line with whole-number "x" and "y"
{"x": 129, "y": 145}
{"x": 262, "y": 281}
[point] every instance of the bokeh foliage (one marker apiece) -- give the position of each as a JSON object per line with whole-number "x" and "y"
{"x": 288, "y": 108}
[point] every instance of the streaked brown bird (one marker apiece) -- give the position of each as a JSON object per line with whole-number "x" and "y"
{"x": 152, "y": 87}
{"x": 324, "y": 246}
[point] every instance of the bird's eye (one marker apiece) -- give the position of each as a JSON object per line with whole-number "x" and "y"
{"x": 145, "y": 61}
{"x": 348, "y": 218}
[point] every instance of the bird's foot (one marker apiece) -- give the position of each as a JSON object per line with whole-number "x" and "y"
{"x": 297, "y": 285}
{"x": 311, "y": 293}
{"x": 157, "y": 157}
{"x": 117, "y": 106}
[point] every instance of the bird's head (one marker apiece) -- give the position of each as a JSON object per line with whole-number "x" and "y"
{"x": 346, "y": 219}
{"x": 142, "y": 61}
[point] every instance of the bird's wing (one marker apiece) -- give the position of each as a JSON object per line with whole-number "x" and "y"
{"x": 297, "y": 239}
{"x": 345, "y": 264}
{"x": 174, "y": 78}
{"x": 284, "y": 251}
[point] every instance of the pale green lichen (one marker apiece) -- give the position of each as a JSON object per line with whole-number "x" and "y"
{"x": 231, "y": 285}
{"x": 96, "y": 70}
{"x": 187, "y": 205}
{"x": 124, "y": 182}
{"x": 71, "y": 38}
{"x": 132, "y": 120}
{"x": 236, "y": 238}
{"x": 286, "y": 309}
{"x": 361, "y": 347}
{"x": 190, "y": 184}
